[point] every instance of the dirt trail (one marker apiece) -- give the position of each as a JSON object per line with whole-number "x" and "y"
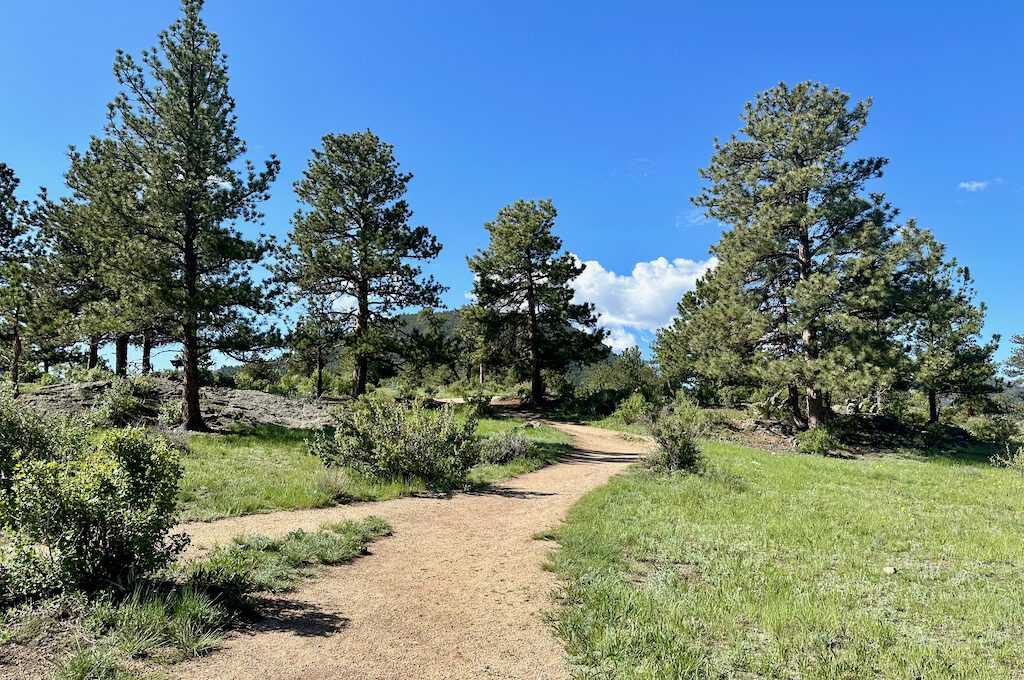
{"x": 457, "y": 592}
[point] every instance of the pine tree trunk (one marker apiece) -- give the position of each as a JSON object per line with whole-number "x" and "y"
{"x": 793, "y": 401}
{"x": 94, "y": 353}
{"x": 121, "y": 355}
{"x": 362, "y": 362}
{"x": 319, "y": 372}
{"x": 480, "y": 375}
{"x": 933, "y": 407}
{"x": 536, "y": 379}
{"x": 192, "y": 416}
{"x": 815, "y": 408}
{"x": 147, "y": 352}
{"x": 16, "y": 348}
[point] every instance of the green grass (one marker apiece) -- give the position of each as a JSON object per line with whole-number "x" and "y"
{"x": 780, "y": 566}
{"x": 268, "y": 468}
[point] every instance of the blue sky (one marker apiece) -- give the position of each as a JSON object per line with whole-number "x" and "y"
{"x": 608, "y": 108}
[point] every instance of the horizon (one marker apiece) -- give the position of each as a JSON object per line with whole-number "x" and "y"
{"x": 592, "y": 109}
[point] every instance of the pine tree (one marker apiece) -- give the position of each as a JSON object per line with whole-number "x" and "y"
{"x": 806, "y": 257}
{"x": 352, "y": 243}
{"x": 15, "y": 293}
{"x": 173, "y": 128}
{"x": 1015, "y": 364}
{"x": 945, "y": 327}
{"x": 524, "y": 297}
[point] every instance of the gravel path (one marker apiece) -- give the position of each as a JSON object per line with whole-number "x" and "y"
{"x": 457, "y": 592}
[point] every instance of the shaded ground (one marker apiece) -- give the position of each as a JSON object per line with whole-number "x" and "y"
{"x": 222, "y": 406}
{"x": 457, "y": 592}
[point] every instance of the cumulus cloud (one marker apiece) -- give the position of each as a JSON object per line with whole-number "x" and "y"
{"x": 643, "y": 300}
{"x": 974, "y": 185}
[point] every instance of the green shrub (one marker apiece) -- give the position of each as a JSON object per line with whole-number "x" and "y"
{"x": 818, "y": 441}
{"x": 481, "y": 402}
{"x": 94, "y": 518}
{"x": 123, "y": 403}
{"x": 635, "y": 409}
{"x": 996, "y": 428}
{"x": 171, "y": 413}
{"x": 384, "y": 438}
{"x": 26, "y": 433}
{"x": 1013, "y": 459}
{"x": 676, "y": 432}
{"x": 504, "y": 447}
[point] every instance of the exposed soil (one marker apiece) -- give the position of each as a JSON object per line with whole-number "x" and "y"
{"x": 222, "y": 406}
{"x": 458, "y": 592}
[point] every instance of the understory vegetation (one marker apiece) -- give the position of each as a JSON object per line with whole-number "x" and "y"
{"x": 783, "y": 565}
{"x": 179, "y": 613}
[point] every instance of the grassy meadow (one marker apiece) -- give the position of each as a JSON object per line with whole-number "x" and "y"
{"x": 268, "y": 468}
{"x": 782, "y": 566}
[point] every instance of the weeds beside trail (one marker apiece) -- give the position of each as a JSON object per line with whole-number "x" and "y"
{"x": 797, "y": 566}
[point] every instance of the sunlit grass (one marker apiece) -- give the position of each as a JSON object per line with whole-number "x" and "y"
{"x": 796, "y": 566}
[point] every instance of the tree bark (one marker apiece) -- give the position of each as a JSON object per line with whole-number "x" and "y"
{"x": 94, "y": 353}
{"x": 319, "y": 372}
{"x": 192, "y": 416}
{"x": 480, "y": 374}
{"x": 121, "y": 355}
{"x": 147, "y": 352}
{"x": 362, "y": 362}
{"x": 793, "y": 401}
{"x": 933, "y": 407}
{"x": 16, "y": 348}
{"x": 536, "y": 379}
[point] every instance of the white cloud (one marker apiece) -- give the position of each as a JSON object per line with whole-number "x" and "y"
{"x": 644, "y": 301}
{"x": 692, "y": 218}
{"x": 974, "y": 185}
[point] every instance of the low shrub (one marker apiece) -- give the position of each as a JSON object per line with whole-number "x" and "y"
{"x": 504, "y": 447}
{"x": 635, "y": 409}
{"x": 995, "y": 428}
{"x": 92, "y": 518}
{"x": 384, "y": 438}
{"x": 818, "y": 441}
{"x": 26, "y": 433}
{"x": 676, "y": 431}
{"x": 123, "y": 403}
{"x": 481, "y": 402}
{"x": 1013, "y": 459}
{"x": 171, "y": 413}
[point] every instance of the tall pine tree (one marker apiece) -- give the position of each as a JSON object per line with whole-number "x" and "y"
{"x": 524, "y": 300}
{"x": 174, "y": 126}
{"x": 352, "y": 243}
{"x": 807, "y": 252}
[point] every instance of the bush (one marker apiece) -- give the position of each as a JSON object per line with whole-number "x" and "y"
{"x": 123, "y": 403}
{"x": 383, "y": 438}
{"x": 25, "y": 433}
{"x": 818, "y": 441}
{"x": 95, "y": 517}
{"x": 635, "y": 409}
{"x": 1013, "y": 459}
{"x": 676, "y": 433}
{"x": 171, "y": 413}
{"x": 481, "y": 402}
{"x": 996, "y": 428}
{"x": 504, "y": 447}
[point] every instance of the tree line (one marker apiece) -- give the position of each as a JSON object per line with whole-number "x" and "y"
{"x": 148, "y": 247}
{"x": 820, "y": 295}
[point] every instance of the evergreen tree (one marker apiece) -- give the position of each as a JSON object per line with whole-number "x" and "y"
{"x": 945, "y": 330}
{"x": 352, "y": 243}
{"x": 173, "y": 129}
{"x": 808, "y": 257}
{"x": 524, "y": 297}
{"x": 312, "y": 342}
{"x": 1015, "y": 364}
{"x": 16, "y": 250}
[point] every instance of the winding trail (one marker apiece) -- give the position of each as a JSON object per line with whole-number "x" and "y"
{"x": 457, "y": 592}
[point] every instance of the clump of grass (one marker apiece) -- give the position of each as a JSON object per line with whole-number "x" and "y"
{"x": 260, "y": 564}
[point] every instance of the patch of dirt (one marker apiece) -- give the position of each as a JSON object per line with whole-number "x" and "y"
{"x": 222, "y": 406}
{"x": 457, "y": 592}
